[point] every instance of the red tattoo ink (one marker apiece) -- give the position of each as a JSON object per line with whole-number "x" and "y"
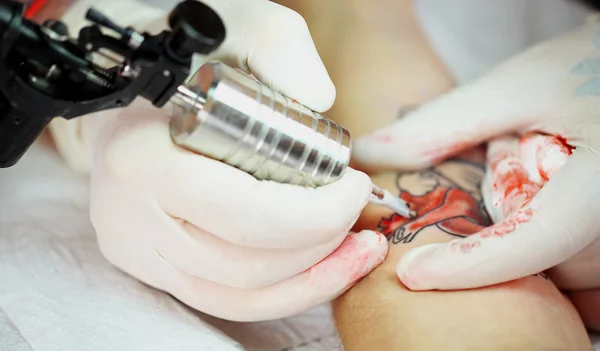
{"x": 452, "y": 210}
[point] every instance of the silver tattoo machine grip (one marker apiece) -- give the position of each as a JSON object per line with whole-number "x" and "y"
{"x": 229, "y": 116}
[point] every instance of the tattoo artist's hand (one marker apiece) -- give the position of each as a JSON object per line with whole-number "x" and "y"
{"x": 209, "y": 234}
{"x": 552, "y": 89}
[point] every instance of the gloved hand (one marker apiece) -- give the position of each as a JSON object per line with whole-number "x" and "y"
{"x": 211, "y": 235}
{"x": 552, "y": 89}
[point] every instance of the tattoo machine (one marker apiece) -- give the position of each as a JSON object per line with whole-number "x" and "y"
{"x": 220, "y": 112}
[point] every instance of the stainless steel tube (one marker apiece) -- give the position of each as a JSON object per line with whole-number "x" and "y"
{"x": 228, "y": 116}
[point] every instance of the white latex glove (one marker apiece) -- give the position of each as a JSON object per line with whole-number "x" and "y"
{"x": 552, "y": 89}
{"x": 213, "y": 236}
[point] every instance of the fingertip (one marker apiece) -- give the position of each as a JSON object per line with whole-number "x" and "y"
{"x": 287, "y": 61}
{"x": 360, "y": 178}
{"x": 358, "y": 255}
{"x": 361, "y": 185}
{"x": 414, "y": 270}
{"x": 374, "y": 241}
{"x": 310, "y": 85}
{"x": 378, "y": 243}
{"x": 370, "y": 251}
{"x": 324, "y": 96}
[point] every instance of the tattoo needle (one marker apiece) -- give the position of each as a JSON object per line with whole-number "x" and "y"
{"x": 394, "y": 203}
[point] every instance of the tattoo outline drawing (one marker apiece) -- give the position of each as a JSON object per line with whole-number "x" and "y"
{"x": 448, "y": 205}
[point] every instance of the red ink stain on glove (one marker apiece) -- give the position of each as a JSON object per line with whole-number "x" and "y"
{"x": 466, "y": 247}
{"x": 511, "y": 185}
{"x": 358, "y": 254}
{"x": 508, "y": 225}
{"x": 384, "y": 136}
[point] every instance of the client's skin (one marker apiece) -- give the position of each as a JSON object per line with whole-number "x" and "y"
{"x": 379, "y": 313}
{"x": 381, "y": 64}
{"x": 377, "y": 56}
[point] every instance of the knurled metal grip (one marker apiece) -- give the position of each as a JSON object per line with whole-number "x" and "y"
{"x": 228, "y": 116}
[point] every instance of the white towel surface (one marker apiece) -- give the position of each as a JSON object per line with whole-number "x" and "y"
{"x": 58, "y": 293}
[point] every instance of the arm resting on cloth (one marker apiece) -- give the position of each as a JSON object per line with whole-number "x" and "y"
{"x": 379, "y": 313}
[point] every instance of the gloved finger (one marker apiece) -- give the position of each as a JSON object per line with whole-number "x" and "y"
{"x": 542, "y": 155}
{"x": 274, "y": 44}
{"x": 559, "y": 222}
{"x": 357, "y": 256}
{"x": 518, "y": 168}
{"x": 206, "y": 256}
{"x": 225, "y": 201}
{"x": 442, "y": 128}
{"x": 507, "y": 186}
{"x": 262, "y": 214}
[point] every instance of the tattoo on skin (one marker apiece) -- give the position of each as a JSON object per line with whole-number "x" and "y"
{"x": 447, "y": 196}
{"x": 452, "y": 205}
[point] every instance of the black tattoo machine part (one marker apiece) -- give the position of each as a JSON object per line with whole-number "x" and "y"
{"x": 44, "y": 73}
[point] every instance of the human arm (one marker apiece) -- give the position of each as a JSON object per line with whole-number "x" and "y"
{"x": 377, "y": 56}
{"x": 380, "y": 313}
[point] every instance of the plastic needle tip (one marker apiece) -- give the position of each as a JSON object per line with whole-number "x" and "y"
{"x": 394, "y": 203}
